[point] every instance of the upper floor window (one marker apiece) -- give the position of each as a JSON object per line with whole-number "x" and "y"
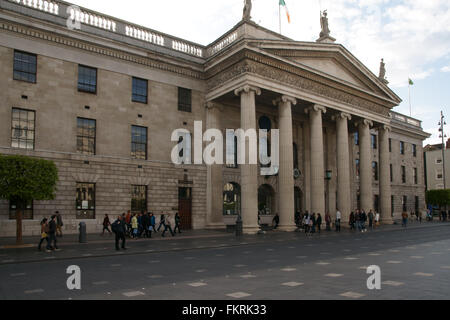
{"x": 403, "y": 174}
{"x": 402, "y": 147}
{"x": 87, "y": 79}
{"x": 22, "y": 129}
{"x": 414, "y": 150}
{"x": 438, "y": 161}
{"x": 25, "y": 65}
{"x": 184, "y": 100}
{"x": 415, "y": 175}
{"x": 86, "y": 129}
{"x": 356, "y": 135}
{"x": 232, "y": 150}
{"x": 357, "y": 168}
{"x": 391, "y": 172}
{"x": 390, "y": 145}
{"x": 139, "y": 90}
{"x": 139, "y": 142}
{"x": 375, "y": 170}
{"x": 373, "y": 141}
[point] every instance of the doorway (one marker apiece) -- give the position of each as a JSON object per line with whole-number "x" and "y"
{"x": 185, "y": 207}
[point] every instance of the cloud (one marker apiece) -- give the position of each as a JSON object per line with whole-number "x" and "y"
{"x": 445, "y": 69}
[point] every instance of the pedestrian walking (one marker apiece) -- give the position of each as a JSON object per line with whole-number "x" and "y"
{"x": 44, "y": 235}
{"x": 152, "y": 224}
{"x": 297, "y": 219}
{"x": 168, "y": 226}
{"x": 177, "y": 223}
{"x": 371, "y": 217}
{"x": 276, "y": 221}
{"x": 358, "y": 220}
{"x": 319, "y": 222}
{"x": 119, "y": 229}
{"x": 134, "y": 226}
{"x": 351, "y": 221}
{"x": 59, "y": 224}
{"x": 328, "y": 221}
{"x": 52, "y": 234}
{"x": 106, "y": 224}
{"x": 404, "y": 219}
{"x": 377, "y": 219}
{"x": 338, "y": 220}
{"x": 161, "y": 221}
{"x": 313, "y": 223}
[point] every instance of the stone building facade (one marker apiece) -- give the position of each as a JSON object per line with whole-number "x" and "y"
{"x": 102, "y": 98}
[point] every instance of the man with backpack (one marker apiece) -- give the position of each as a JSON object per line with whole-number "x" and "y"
{"x": 118, "y": 227}
{"x": 52, "y": 234}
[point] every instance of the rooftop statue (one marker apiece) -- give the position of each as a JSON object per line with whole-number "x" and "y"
{"x": 247, "y": 10}
{"x": 382, "y": 75}
{"x": 324, "y": 24}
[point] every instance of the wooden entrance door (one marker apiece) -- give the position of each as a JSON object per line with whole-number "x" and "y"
{"x": 185, "y": 207}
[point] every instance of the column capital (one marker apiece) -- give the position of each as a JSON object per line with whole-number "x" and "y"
{"x": 285, "y": 98}
{"x": 364, "y": 122}
{"x": 316, "y": 108}
{"x": 385, "y": 127}
{"x": 211, "y": 105}
{"x": 342, "y": 115}
{"x": 247, "y": 89}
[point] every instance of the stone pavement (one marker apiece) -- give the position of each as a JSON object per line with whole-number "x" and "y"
{"x": 103, "y": 246}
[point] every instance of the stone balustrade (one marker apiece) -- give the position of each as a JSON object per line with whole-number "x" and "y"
{"x": 144, "y": 35}
{"x": 405, "y": 119}
{"x": 46, "y": 6}
{"x": 187, "y": 48}
{"x": 94, "y": 20}
{"x": 222, "y": 43}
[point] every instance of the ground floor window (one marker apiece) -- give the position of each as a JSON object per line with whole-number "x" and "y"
{"x": 85, "y": 203}
{"x": 392, "y": 206}
{"x": 416, "y": 205}
{"x": 138, "y": 199}
{"x": 405, "y": 203}
{"x": 27, "y": 213}
{"x": 376, "y": 203}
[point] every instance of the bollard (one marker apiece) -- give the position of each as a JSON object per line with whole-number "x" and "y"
{"x": 83, "y": 235}
{"x": 238, "y": 226}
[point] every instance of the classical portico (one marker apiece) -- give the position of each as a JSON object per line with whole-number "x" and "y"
{"x": 319, "y": 90}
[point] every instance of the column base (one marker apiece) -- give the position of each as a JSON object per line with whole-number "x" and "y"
{"x": 250, "y": 230}
{"x": 288, "y": 228}
{"x": 387, "y": 221}
{"x": 215, "y": 225}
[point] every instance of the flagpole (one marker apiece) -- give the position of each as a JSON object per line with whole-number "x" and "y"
{"x": 279, "y": 16}
{"x": 409, "y": 89}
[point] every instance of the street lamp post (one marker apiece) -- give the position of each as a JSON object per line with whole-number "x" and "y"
{"x": 442, "y": 135}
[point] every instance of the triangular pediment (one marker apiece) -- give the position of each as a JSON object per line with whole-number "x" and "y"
{"x": 332, "y": 61}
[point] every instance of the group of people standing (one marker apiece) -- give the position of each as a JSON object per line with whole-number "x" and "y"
{"x": 49, "y": 231}
{"x": 140, "y": 226}
{"x": 358, "y": 220}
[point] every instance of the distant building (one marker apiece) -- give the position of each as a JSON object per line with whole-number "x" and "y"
{"x": 434, "y": 166}
{"x": 102, "y": 96}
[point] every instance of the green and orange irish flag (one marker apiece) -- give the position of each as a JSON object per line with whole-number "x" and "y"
{"x": 283, "y": 4}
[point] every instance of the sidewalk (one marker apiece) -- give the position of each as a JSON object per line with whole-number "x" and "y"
{"x": 99, "y": 246}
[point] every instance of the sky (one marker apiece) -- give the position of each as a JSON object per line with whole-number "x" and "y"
{"x": 413, "y": 37}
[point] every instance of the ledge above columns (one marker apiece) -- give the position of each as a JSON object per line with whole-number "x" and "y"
{"x": 247, "y": 89}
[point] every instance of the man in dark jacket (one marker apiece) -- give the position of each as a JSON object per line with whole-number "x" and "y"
{"x": 52, "y": 234}
{"x": 118, "y": 227}
{"x": 145, "y": 220}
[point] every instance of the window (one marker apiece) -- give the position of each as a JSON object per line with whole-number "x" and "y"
{"x": 138, "y": 199}
{"x": 184, "y": 100}
{"x": 27, "y": 212}
{"x": 85, "y": 203}
{"x": 403, "y": 174}
{"x": 295, "y": 149}
{"x": 139, "y": 142}
{"x": 405, "y": 204}
{"x": 139, "y": 90}
{"x": 356, "y": 135}
{"x": 357, "y": 167}
{"x": 414, "y": 150}
{"x": 22, "y": 129}
{"x": 86, "y": 129}
{"x": 438, "y": 161}
{"x": 390, "y": 145}
{"x": 87, "y": 79}
{"x": 25, "y": 65}
{"x": 373, "y": 141}
{"x": 415, "y": 175}
{"x": 375, "y": 170}
{"x": 184, "y": 148}
{"x": 402, "y": 147}
{"x": 392, "y": 173}
{"x": 439, "y": 176}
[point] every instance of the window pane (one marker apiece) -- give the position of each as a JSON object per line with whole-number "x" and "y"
{"x": 25, "y": 66}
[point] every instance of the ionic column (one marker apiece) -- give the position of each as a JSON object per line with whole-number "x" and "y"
{"x": 317, "y": 165}
{"x": 385, "y": 179}
{"x": 249, "y": 172}
{"x": 286, "y": 169}
{"x": 214, "y": 190}
{"x": 365, "y": 165}
{"x": 343, "y": 165}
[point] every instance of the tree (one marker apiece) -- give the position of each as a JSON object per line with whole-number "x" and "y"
{"x": 439, "y": 198}
{"x": 24, "y": 179}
